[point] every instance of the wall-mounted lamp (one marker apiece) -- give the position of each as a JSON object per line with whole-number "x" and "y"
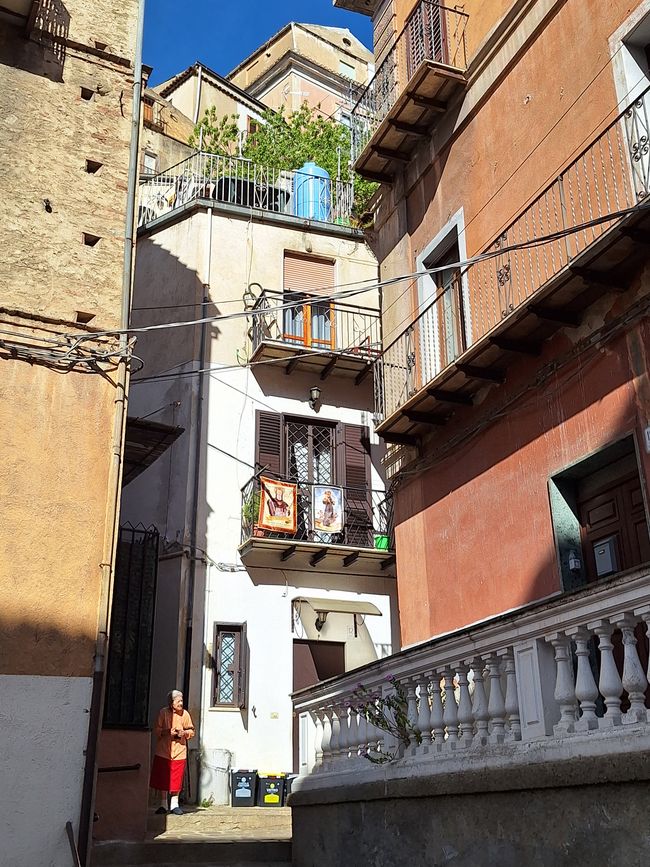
{"x": 314, "y": 398}
{"x": 321, "y": 618}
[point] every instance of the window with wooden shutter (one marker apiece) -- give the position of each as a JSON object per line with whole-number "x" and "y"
{"x": 354, "y": 461}
{"x": 311, "y": 324}
{"x": 269, "y": 442}
{"x": 230, "y": 665}
{"x": 384, "y": 31}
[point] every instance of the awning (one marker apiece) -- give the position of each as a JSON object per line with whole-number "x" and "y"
{"x": 145, "y": 442}
{"x": 338, "y": 606}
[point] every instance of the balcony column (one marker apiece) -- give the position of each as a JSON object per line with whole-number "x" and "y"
{"x": 424, "y": 713}
{"x": 564, "y": 694}
{"x": 411, "y": 713}
{"x": 586, "y": 688}
{"x": 317, "y": 718}
{"x": 512, "y": 699}
{"x": 465, "y": 715}
{"x": 335, "y": 740}
{"x": 353, "y": 735}
{"x": 437, "y": 713}
{"x": 609, "y": 682}
{"x": 634, "y": 677}
{"x": 479, "y": 703}
{"x": 496, "y": 703}
{"x": 362, "y": 733}
{"x": 326, "y": 742}
{"x": 451, "y": 709}
{"x": 644, "y": 613}
{"x": 344, "y": 731}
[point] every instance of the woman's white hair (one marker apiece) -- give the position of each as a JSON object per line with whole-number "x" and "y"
{"x": 173, "y": 695}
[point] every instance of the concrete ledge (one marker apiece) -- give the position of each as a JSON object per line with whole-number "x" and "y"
{"x": 189, "y": 852}
{"x": 596, "y": 758}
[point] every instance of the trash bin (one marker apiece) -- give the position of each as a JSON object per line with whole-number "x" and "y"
{"x": 213, "y": 778}
{"x": 243, "y": 788}
{"x": 270, "y": 790}
{"x": 288, "y": 783}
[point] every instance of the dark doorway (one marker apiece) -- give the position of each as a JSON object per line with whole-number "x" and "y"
{"x": 313, "y": 661}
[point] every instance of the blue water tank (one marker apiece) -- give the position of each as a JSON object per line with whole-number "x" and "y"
{"x": 312, "y": 193}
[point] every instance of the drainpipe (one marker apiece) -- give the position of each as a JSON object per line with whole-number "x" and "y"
{"x": 197, "y": 104}
{"x": 115, "y": 474}
{"x": 198, "y": 440}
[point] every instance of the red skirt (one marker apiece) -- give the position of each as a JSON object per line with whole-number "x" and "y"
{"x": 167, "y": 774}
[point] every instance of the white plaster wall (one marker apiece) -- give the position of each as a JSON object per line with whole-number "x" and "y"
{"x": 261, "y": 737}
{"x": 44, "y": 723}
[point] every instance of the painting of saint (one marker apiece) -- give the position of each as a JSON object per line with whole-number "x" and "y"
{"x": 328, "y": 509}
{"x": 277, "y": 506}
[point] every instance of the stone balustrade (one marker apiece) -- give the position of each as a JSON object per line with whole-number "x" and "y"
{"x": 571, "y": 667}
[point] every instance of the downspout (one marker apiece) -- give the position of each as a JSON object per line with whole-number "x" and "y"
{"x": 198, "y": 434}
{"x": 115, "y": 473}
{"x": 197, "y": 104}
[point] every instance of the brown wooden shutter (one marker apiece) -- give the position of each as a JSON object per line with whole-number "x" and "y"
{"x": 309, "y": 274}
{"x": 242, "y": 676}
{"x": 384, "y": 31}
{"x": 268, "y": 442}
{"x": 356, "y": 455}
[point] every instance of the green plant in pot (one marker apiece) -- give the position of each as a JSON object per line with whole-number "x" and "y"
{"x": 251, "y": 510}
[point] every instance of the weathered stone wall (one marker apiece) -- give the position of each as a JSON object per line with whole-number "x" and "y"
{"x": 575, "y": 826}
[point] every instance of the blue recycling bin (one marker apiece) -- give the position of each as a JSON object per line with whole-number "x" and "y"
{"x": 243, "y": 788}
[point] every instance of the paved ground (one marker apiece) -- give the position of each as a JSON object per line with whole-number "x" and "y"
{"x": 223, "y": 824}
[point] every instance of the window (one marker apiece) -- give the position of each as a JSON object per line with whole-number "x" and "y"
{"x": 448, "y": 337}
{"x": 311, "y": 324}
{"x": 149, "y": 163}
{"x": 308, "y": 452}
{"x": 599, "y": 516}
{"x": 347, "y": 69}
{"x": 383, "y": 30}
{"x": 147, "y": 111}
{"x": 230, "y": 660}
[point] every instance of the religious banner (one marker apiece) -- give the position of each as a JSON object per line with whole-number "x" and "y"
{"x": 278, "y": 502}
{"x": 328, "y": 509}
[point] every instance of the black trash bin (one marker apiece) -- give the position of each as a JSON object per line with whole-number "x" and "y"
{"x": 270, "y": 790}
{"x": 243, "y": 785}
{"x": 288, "y": 783}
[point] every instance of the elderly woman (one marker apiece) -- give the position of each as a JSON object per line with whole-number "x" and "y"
{"x": 173, "y": 729}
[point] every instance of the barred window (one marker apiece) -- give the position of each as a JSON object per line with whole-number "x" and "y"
{"x": 229, "y": 660}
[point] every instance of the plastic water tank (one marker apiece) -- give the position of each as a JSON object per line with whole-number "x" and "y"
{"x": 312, "y": 193}
{"x": 214, "y": 782}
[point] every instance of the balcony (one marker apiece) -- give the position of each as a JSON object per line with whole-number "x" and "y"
{"x": 242, "y": 183}
{"x": 515, "y": 697}
{"x": 412, "y": 86}
{"x": 583, "y": 237}
{"x": 317, "y": 336}
{"x": 362, "y": 545}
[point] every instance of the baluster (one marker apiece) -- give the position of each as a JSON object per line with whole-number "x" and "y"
{"x": 609, "y": 682}
{"x": 512, "y": 698}
{"x": 465, "y": 715}
{"x": 634, "y": 678}
{"x": 362, "y": 732}
{"x": 326, "y": 743}
{"x": 353, "y": 735}
{"x": 451, "y": 709}
{"x": 479, "y": 704}
{"x": 645, "y": 614}
{"x": 317, "y": 719}
{"x": 344, "y": 732}
{"x": 424, "y": 712}
{"x": 335, "y": 740}
{"x": 564, "y": 694}
{"x": 496, "y": 704}
{"x": 411, "y": 713}
{"x": 586, "y": 688}
{"x": 437, "y": 713}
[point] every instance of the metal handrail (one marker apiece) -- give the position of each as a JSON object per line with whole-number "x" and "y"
{"x": 609, "y": 175}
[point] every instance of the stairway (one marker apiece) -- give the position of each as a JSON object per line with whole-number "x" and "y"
{"x": 242, "y": 837}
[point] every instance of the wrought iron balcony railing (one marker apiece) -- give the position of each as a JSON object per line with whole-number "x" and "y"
{"x": 236, "y": 181}
{"x": 432, "y": 33}
{"x": 366, "y": 522}
{"x": 316, "y": 324}
{"x": 610, "y": 176}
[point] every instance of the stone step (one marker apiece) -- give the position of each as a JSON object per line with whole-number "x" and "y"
{"x": 179, "y": 853}
{"x": 223, "y": 823}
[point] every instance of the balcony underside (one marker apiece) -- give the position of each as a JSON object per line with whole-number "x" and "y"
{"x": 319, "y": 362}
{"x": 410, "y": 120}
{"x": 604, "y": 267}
{"x": 292, "y": 555}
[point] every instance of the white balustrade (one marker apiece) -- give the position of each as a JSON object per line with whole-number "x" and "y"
{"x": 569, "y": 669}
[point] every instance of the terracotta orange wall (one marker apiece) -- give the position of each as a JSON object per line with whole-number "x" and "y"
{"x": 474, "y": 532}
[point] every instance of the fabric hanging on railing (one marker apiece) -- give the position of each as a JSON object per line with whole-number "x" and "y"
{"x": 278, "y": 502}
{"x": 328, "y": 509}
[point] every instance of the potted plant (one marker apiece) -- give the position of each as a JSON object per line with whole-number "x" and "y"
{"x": 250, "y": 512}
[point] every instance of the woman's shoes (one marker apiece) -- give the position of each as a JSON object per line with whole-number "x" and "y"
{"x": 176, "y": 811}
{"x": 161, "y": 811}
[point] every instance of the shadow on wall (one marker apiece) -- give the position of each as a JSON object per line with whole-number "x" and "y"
{"x": 43, "y": 52}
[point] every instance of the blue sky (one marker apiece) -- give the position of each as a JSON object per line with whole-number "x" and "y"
{"x": 221, "y": 33}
